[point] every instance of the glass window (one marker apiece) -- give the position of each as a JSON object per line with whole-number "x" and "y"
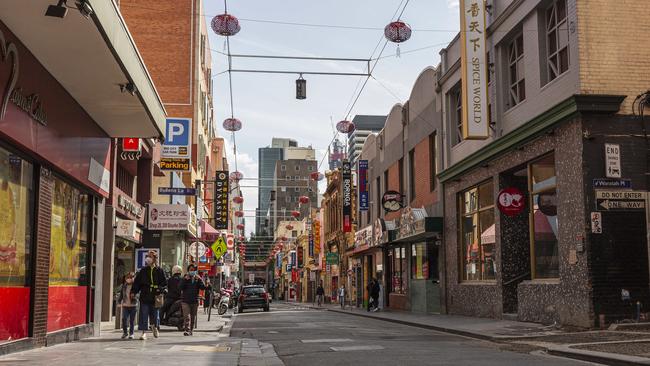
{"x": 543, "y": 218}
{"x": 16, "y": 218}
{"x": 399, "y": 263}
{"x": 557, "y": 39}
{"x": 456, "y": 112}
{"x": 68, "y": 243}
{"x": 516, "y": 71}
{"x": 477, "y": 233}
{"x": 419, "y": 261}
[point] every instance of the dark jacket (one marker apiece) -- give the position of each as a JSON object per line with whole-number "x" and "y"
{"x": 149, "y": 282}
{"x": 320, "y": 290}
{"x": 374, "y": 289}
{"x": 190, "y": 289}
{"x": 174, "y": 287}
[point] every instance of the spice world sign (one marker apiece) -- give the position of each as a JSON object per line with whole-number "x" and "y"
{"x": 474, "y": 70}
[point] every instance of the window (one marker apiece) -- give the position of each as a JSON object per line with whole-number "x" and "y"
{"x": 399, "y": 267}
{"x": 477, "y": 231}
{"x": 557, "y": 39}
{"x": 296, "y": 189}
{"x": 516, "y": 71}
{"x": 424, "y": 261}
{"x": 433, "y": 164}
{"x": 378, "y": 196}
{"x": 543, "y": 218}
{"x": 16, "y": 220}
{"x": 297, "y": 168}
{"x": 456, "y": 113}
{"x": 294, "y": 233}
{"x": 124, "y": 180}
{"x": 287, "y": 198}
{"x": 297, "y": 177}
{"x": 412, "y": 174}
{"x": 68, "y": 243}
{"x": 283, "y": 168}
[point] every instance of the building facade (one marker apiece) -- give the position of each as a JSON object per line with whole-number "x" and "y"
{"x": 56, "y": 144}
{"x": 364, "y": 125}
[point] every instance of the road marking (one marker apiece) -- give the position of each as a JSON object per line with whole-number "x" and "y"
{"x": 326, "y": 340}
{"x": 200, "y": 348}
{"x": 356, "y": 348}
{"x": 273, "y": 332}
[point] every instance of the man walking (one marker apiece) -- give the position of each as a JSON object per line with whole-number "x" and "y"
{"x": 374, "y": 294}
{"x": 150, "y": 282}
{"x": 190, "y": 286}
{"x": 320, "y": 292}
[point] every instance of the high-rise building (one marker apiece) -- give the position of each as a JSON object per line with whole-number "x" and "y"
{"x": 336, "y": 155}
{"x": 267, "y": 157}
{"x": 364, "y": 126}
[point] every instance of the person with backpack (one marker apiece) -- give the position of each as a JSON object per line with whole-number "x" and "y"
{"x": 150, "y": 283}
{"x": 191, "y": 284}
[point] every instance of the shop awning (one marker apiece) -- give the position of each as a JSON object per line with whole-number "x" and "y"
{"x": 208, "y": 233}
{"x": 427, "y": 228}
{"x": 91, "y": 57}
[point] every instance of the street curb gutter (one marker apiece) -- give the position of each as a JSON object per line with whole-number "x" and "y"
{"x": 561, "y": 351}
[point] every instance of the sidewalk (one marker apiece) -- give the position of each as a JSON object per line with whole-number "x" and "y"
{"x": 210, "y": 345}
{"x": 629, "y": 345}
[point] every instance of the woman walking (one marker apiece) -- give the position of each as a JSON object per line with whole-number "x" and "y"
{"x": 190, "y": 286}
{"x": 150, "y": 282}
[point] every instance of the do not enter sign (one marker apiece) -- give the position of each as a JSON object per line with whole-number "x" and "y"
{"x": 511, "y": 201}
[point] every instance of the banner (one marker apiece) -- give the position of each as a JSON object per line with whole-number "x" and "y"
{"x": 474, "y": 70}
{"x": 221, "y": 192}
{"x": 347, "y": 196}
{"x": 300, "y": 257}
{"x": 316, "y": 235}
{"x": 362, "y": 175}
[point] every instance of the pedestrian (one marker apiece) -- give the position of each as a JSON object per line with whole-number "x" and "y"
{"x": 342, "y": 296}
{"x": 173, "y": 293}
{"x": 128, "y": 304}
{"x": 208, "y": 295}
{"x": 150, "y": 282}
{"x": 374, "y": 294}
{"x": 320, "y": 292}
{"x": 369, "y": 289}
{"x": 190, "y": 286}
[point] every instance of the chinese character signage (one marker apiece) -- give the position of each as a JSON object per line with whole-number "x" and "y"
{"x": 347, "y": 196}
{"x": 169, "y": 217}
{"x": 221, "y": 191}
{"x": 474, "y": 70}
{"x": 362, "y": 174}
{"x": 300, "y": 257}
{"x": 316, "y": 235}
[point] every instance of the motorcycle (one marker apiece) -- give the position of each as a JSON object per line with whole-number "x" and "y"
{"x": 224, "y": 301}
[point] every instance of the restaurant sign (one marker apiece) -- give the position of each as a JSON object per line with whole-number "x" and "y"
{"x": 363, "y": 237}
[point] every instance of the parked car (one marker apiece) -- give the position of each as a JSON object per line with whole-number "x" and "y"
{"x": 253, "y": 296}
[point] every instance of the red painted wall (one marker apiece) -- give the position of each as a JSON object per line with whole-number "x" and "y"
{"x": 14, "y": 313}
{"x": 66, "y": 307}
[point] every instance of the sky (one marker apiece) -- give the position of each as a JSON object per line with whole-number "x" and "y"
{"x": 266, "y": 104}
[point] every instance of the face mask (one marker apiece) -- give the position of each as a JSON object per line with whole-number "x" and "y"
{"x": 192, "y": 273}
{"x": 148, "y": 260}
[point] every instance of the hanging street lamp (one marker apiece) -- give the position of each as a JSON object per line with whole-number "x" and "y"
{"x": 232, "y": 124}
{"x": 345, "y": 127}
{"x": 397, "y": 32}
{"x": 301, "y": 88}
{"x": 225, "y": 25}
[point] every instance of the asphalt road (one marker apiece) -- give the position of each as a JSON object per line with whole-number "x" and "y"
{"x": 302, "y": 336}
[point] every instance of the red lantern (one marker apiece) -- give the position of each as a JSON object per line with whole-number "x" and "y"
{"x": 345, "y": 127}
{"x": 238, "y": 200}
{"x": 304, "y": 199}
{"x": 232, "y": 124}
{"x": 236, "y": 176}
{"x": 289, "y": 227}
{"x": 295, "y": 214}
{"x": 225, "y": 25}
{"x": 317, "y": 176}
{"x": 240, "y": 226}
{"x": 397, "y": 32}
{"x": 283, "y": 238}
{"x": 242, "y": 238}
{"x": 239, "y": 213}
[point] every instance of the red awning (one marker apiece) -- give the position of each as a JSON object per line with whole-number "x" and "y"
{"x": 208, "y": 233}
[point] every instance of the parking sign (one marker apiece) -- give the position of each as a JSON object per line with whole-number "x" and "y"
{"x": 176, "y": 149}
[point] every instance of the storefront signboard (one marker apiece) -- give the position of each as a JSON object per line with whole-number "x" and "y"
{"x": 130, "y": 144}
{"x": 300, "y": 257}
{"x": 332, "y": 258}
{"x": 347, "y": 196}
{"x": 511, "y": 201}
{"x": 474, "y": 69}
{"x": 363, "y": 237}
{"x": 316, "y": 234}
{"x": 128, "y": 207}
{"x": 127, "y": 229}
{"x": 362, "y": 176}
{"x": 222, "y": 191}
{"x": 379, "y": 231}
{"x": 197, "y": 248}
{"x": 169, "y": 217}
{"x": 391, "y": 201}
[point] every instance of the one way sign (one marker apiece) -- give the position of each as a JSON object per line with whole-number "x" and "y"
{"x": 619, "y": 205}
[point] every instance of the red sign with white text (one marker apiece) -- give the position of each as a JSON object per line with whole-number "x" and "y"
{"x": 130, "y": 144}
{"x": 511, "y": 201}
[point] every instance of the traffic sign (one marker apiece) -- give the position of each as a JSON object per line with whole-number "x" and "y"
{"x": 621, "y": 195}
{"x": 612, "y": 160}
{"x": 621, "y": 200}
{"x": 173, "y": 191}
{"x": 219, "y": 248}
{"x": 612, "y": 183}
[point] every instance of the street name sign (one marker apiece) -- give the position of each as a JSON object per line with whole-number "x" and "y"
{"x": 177, "y": 191}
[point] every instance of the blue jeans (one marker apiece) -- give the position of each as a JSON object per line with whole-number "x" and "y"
{"x": 128, "y": 315}
{"x": 148, "y": 315}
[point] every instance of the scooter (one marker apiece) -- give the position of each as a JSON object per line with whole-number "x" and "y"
{"x": 224, "y": 301}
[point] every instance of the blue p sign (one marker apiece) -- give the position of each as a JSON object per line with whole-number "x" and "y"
{"x": 177, "y": 132}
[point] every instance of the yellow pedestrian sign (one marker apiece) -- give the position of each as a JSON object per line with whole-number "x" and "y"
{"x": 219, "y": 248}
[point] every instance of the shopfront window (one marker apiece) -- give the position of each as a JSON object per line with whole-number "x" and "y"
{"x": 67, "y": 297}
{"x": 419, "y": 261}
{"x": 16, "y": 218}
{"x": 477, "y": 233}
{"x": 399, "y": 270}
{"x": 543, "y": 218}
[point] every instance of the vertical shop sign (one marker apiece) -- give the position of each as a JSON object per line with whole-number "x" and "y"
{"x": 362, "y": 174}
{"x": 221, "y": 191}
{"x": 347, "y": 196}
{"x": 300, "y": 257}
{"x": 474, "y": 69}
